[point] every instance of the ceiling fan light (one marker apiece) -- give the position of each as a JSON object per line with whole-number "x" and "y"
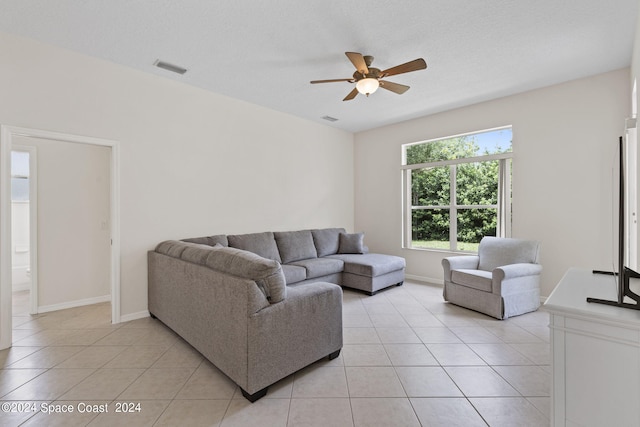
{"x": 367, "y": 86}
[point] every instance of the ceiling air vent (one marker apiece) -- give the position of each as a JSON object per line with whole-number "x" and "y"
{"x": 330, "y": 119}
{"x": 169, "y": 67}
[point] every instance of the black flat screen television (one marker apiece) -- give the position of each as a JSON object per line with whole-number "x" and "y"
{"x": 624, "y": 273}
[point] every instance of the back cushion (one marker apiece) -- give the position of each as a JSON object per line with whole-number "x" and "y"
{"x": 172, "y": 248}
{"x": 295, "y": 245}
{"x": 220, "y": 239}
{"x": 192, "y": 252}
{"x": 496, "y": 251}
{"x": 263, "y": 244}
{"x": 267, "y": 273}
{"x": 327, "y": 240}
{"x": 197, "y": 254}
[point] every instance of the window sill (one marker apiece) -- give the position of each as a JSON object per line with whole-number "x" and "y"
{"x": 447, "y": 252}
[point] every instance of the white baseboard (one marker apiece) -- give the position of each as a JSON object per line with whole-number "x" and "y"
{"x": 72, "y": 304}
{"x": 134, "y": 316}
{"x": 429, "y": 280}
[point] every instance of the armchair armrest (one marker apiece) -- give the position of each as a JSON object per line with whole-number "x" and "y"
{"x": 459, "y": 262}
{"x": 514, "y": 278}
{"x": 511, "y": 271}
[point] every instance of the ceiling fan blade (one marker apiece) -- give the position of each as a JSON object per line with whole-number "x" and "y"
{"x": 394, "y": 87}
{"x": 351, "y": 95}
{"x": 331, "y": 81}
{"x": 415, "y": 65}
{"x": 358, "y": 61}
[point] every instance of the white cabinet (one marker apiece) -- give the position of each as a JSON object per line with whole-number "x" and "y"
{"x": 595, "y": 354}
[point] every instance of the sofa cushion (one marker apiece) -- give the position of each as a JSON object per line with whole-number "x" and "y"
{"x": 263, "y": 244}
{"x": 192, "y": 252}
{"x": 295, "y": 245}
{"x": 220, "y": 239}
{"x": 327, "y": 240}
{"x": 267, "y": 273}
{"x": 294, "y": 273}
{"x": 371, "y": 265}
{"x": 172, "y": 248}
{"x": 196, "y": 253}
{"x": 476, "y": 279}
{"x": 318, "y": 267}
{"x": 351, "y": 243}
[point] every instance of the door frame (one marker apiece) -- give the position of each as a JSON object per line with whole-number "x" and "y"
{"x": 7, "y": 133}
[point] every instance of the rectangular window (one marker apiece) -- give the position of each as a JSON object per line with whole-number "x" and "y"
{"x": 457, "y": 190}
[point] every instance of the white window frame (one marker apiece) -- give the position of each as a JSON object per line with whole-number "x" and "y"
{"x": 503, "y": 207}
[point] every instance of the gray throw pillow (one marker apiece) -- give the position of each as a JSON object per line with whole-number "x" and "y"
{"x": 351, "y": 243}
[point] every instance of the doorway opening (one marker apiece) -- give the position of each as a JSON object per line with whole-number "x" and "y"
{"x": 12, "y": 139}
{"x": 24, "y": 230}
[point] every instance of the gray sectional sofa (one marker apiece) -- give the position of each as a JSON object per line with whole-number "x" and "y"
{"x": 322, "y": 255}
{"x": 262, "y": 306}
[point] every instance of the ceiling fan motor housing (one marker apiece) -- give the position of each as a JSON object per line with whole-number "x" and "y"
{"x": 374, "y": 73}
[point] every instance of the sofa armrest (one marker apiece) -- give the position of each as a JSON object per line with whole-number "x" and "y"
{"x": 294, "y": 333}
{"x": 457, "y": 263}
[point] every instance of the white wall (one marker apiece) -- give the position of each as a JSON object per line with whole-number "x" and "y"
{"x": 564, "y": 146}
{"x": 193, "y": 163}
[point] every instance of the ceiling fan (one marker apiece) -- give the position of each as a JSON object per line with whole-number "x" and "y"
{"x": 368, "y": 79}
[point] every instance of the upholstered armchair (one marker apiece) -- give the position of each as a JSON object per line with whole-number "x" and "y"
{"x": 503, "y": 280}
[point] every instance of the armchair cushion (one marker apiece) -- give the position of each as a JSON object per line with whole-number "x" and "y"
{"x": 495, "y": 252}
{"x": 476, "y": 279}
{"x": 458, "y": 263}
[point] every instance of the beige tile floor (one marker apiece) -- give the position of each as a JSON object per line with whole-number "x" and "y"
{"x": 409, "y": 359}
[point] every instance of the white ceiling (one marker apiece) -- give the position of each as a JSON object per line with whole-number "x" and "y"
{"x": 266, "y": 52}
